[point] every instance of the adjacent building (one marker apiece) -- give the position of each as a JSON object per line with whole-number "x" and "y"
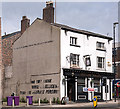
{"x": 117, "y": 47}
{"x": 117, "y": 59}
{"x": 54, "y": 60}
{"x": 7, "y": 52}
{"x": 0, "y": 66}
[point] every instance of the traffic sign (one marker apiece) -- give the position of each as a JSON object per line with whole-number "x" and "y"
{"x": 118, "y": 84}
{"x": 94, "y": 99}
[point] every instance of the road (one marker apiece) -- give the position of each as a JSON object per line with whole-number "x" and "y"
{"x": 101, "y": 105}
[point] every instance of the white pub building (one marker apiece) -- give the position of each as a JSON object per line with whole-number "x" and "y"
{"x": 86, "y": 65}
{"x": 54, "y": 60}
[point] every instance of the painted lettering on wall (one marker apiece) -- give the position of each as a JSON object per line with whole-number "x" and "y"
{"x": 44, "y": 86}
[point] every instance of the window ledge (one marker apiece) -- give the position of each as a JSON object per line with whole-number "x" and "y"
{"x": 102, "y": 69}
{"x": 74, "y": 66}
{"x": 100, "y": 49}
{"x": 75, "y": 45}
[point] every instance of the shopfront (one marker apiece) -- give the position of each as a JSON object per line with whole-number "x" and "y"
{"x": 83, "y": 85}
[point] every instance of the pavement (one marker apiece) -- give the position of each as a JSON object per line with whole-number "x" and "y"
{"x": 88, "y": 105}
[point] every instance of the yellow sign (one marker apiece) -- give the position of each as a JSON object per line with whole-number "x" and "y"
{"x": 95, "y": 101}
{"x": 109, "y": 64}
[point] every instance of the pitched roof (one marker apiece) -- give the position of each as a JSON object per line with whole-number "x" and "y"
{"x": 65, "y": 27}
{"x": 11, "y": 34}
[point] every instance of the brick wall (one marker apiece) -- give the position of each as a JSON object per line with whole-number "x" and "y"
{"x": 7, "y": 52}
{"x": 118, "y": 65}
{"x": 0, "y": 66}
{"x": 117, "y": 59}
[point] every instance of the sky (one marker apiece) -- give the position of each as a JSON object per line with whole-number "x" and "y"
{"x": 96, "y": 17}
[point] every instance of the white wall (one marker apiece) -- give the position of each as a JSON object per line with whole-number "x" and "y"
{"x": 87, "y": 47}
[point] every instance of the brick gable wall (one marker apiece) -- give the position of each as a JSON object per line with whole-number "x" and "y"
{"x": 7, "y": 54}
{"x": 7, "y": 49}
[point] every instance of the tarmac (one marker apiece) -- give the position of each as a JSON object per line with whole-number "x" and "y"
{"x": 107, "y": 104}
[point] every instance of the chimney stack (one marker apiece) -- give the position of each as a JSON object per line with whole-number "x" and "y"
{"x": 48, "y": 12}
{"x": 25, "y": 23}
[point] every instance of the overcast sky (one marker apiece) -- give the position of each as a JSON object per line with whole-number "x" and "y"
{"x": 97, "y": 17}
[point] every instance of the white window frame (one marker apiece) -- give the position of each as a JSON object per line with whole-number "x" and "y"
{"x": 100, "y": 45}
{"x": 102, "y": 62}
{"x": 73, "y": 40}
{"x": 74, "y": 63}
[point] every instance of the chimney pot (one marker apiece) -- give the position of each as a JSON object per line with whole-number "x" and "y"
{"x": 24, "y": 17}
{"x": 49, "y": 3}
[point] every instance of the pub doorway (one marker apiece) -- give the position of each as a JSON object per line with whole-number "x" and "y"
{"x": 71, "y": 89}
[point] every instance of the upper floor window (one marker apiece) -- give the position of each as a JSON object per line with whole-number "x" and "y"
{"x": 100, "y": 62}
{"x": 74, "y": 59}
{"x": 100, "y": 46}
{"x": 73, "y": 41}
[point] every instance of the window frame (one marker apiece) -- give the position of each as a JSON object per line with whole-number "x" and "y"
{"x": 101, "y": 65}
{"x": 100, "y": 46}
{"x": 75, "y": 60}
{"x": 74, "y": 41}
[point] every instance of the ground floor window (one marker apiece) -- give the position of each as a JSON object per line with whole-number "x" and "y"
{"x": 97, "y": 84}
{"x": 81, "y": 95}
{"x": 81, "y": 84}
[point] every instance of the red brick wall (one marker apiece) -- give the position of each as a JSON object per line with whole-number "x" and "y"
{"x": 1, "y": 74}
{"x": 0, "y": 45}
{"x": 118, "y": 65}
{"x": 117, "y": 59}
{"x": 7, "y": 50}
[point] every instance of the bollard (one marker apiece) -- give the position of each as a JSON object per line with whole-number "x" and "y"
{"x": 95, "y": 101}
{"x": 50, "y": 102}
{"x": 39, "y": 101}
{"x": 13, "y": 103}
{"x": 27, "y": 102}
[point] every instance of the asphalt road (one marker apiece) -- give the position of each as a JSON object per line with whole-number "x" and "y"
{"x": 74, "y": 106}
{"x": 60, "y": 108}
{"x": 83, "y": 107}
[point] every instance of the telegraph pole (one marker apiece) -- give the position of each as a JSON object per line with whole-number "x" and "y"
{"x": 114, "y": 86}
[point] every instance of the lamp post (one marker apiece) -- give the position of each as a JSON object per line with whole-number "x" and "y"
{"x": 114, "y": 25}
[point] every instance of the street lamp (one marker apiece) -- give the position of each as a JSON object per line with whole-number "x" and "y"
{"x": 114, "y": 25}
